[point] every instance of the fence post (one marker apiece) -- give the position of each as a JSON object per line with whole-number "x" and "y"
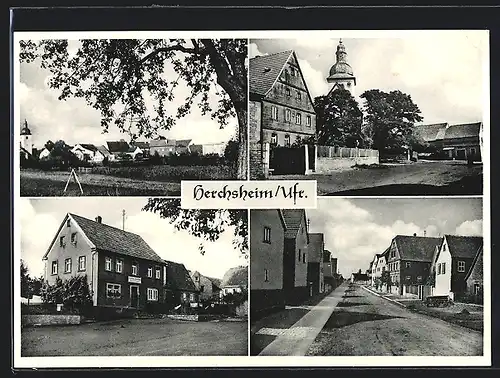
{"x": 266, "y": 155}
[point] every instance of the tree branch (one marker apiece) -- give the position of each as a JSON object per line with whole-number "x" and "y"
{"x": 184, "y": 49}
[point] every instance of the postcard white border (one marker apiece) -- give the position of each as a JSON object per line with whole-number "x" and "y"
{"x": 255, "y": 361}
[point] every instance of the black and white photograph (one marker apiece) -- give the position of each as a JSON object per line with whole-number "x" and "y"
{"x": 131, "y": 277}
{"x": 369, "y": 277}
{"x": 129, "y": 117}
{"x": 398, "y": 114}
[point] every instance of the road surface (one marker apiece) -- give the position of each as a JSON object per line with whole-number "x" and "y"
{"x": 364, "y": 324}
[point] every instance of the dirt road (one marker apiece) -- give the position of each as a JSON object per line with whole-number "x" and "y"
{"x": 366, "y": 325}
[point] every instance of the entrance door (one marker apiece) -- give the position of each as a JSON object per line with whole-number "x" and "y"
{"x": 134, "y": 296}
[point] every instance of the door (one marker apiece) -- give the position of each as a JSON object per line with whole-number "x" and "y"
{"x": 134, "y": 296}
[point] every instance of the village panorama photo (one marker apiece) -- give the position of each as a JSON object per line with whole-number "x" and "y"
{"x": 391, "y": 114}
{"x": 135, "y": 277}
{"x": 129, "y": 117}
{"x": 370, "y": 277}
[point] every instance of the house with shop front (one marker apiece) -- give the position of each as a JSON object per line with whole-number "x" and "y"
{"x": 315, "y": 270}
{"x": 179, "y": 286}
{"x": 267, "y": 243}
{"x": 295, "y": 284}
{"x": 281, "y": 110}
{"x": 453, "y": 261}
{"x": 207, "y": 287}
{"x": 122, "y": 270}
{"x": 474, "y": 278}
{"x": 409, "y": 261}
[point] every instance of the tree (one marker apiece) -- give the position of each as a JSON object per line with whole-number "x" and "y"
{"x": 390, "y": 118}
{"x": 338, "y": 119}
{"x": 205, "y": 224}
{"x": 385, "y": 279}
{"x": 231, "y": 152}
{"x": 26, "y": 286}
{"x": 119, "y": 76}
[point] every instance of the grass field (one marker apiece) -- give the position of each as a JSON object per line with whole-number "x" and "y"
{"x": 161, "y": 180}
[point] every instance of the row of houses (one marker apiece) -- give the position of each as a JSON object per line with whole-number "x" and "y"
{"x": 124, "y": 272}
{"x": 422, "y": 266}
{"x": 289, "y": 263}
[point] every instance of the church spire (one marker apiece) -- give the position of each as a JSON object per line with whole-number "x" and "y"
{"x": 341, "y": 53}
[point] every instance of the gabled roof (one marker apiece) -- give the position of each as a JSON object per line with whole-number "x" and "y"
{"x": 463, "y": 130}
{"x": 463, "y": 246}
{"x": 178, "y": 277}
{"x": 103, "y": 150}
{"x": 183, "y": 142}
{"x": 141, "y": 145}
{"x": 237, "y": 276}
{"x": 293, "y": 219}
{"x": 162, "y": 143}
{"x": 215, "y": 281}
{"x": 431, "y": 132}
{"x": 118, "y": 146}
{"x": 111, "y": 239}
{"x": 416, "y": 248}
{"x": 477, "y": 258}
{"x": 89, "y": 147}
{"x": 265, "y": 70}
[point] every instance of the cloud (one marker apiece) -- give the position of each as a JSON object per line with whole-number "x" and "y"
{"x": 470, "y": 228}
{"x": 315, "y": 80}
{"x": 253, "y": 51}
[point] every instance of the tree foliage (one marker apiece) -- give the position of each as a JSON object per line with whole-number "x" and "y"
{"x": 29, "y": 285}
{"x": 205, "y": 224}
{"x": 73, "y": 293}
{"x": 121, "y": 78}
{"x": 390, "y": 118}
{"x": 338, "y": 119}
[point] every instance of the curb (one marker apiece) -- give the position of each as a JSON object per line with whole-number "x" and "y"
{"x": 386, "y": 298}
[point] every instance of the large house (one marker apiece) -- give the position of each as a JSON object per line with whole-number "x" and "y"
{"x": 454, "y": 259}
{"x": 179, "y": 286}
{"x": 122, "y": 270}
{"x": 378, "y": 268}
{"x": 267, "y": 235}
{"x": 281, "y": 108}
{"x": 208, "y": 288}
{"x": 295, "y": 261}
{"x": 409, "y": 261}
{"x": 315, "y": 270}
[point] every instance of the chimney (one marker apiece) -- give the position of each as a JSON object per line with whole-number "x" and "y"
{"x": 98, "y": 219}
{"x": 415, "y": 234}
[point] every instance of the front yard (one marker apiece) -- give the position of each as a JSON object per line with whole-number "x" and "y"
{"x": 138, "y": 337}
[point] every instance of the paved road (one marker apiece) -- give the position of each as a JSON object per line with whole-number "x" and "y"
{"x": 366, "y": 325}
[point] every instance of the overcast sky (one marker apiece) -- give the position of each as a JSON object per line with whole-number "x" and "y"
{"x": 40, "y": 220}
{"x": 441, "y": 71}
{"x": 76, "y": 122}
{"x": 356, "y": 229}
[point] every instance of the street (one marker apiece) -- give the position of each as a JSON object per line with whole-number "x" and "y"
{"x": 364, "y": 324}
{"x": 138, "y": 337}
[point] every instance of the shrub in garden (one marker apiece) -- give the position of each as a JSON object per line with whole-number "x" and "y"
{"x": 73, "y": 293}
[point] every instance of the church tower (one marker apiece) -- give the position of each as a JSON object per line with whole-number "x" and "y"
{"x": 341, "y": 74}
{"x": 26, "y": 141}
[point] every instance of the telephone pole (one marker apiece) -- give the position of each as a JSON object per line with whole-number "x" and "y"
{"x": 123, "y": 220}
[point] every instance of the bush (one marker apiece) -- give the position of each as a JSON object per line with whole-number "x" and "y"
{"x": 73, "y": 293}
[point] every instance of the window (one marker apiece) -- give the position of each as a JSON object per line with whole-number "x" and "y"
{"x": 158, "y": 274}
{"x": 267, "y": 235}
{"x": 419, "y": 278}
{"x": 300, "y": 256}
{"x": 274, "y": 138}
{"x": 113, "y": 290}
{"x": 107, "y": 264}
{"x": 443, "y": 268}
{"x": 266, "y": 275}
{"x": 439, "y": 269}
{"x": 287, "y": 140}
{"x": 308, "y": 121}
{"x": 408, "y": 278}
{"x": 135, "y": 269}
{"x": 82, "y": 263}
{"x": 408, "y": 264}
{"x": 67, "y": 266}
{"x": 184, "y": 296}
{"x": 292, "y": 71}
{"x": 191, "y": 297}
{"x": 152, "y": 294}
{"x": 444, "y": 247}
{"x": 150, "y": 272}
{"x": 68, "y": 223}
{"x": 119, "y": 266}
{"x": 287, "y": 92}
{"x": 461, "y": 266}
{"x": 477, "y": 289}
{"x": 62, "y": 243}
{"x": 299, "y": 96}
{"x": 288, "y": 115}
{"x": 274, "y": 110}
{"x": 202, "y": 288}
{"x": 298, "y": 118}
{"x": 303, "y": 257}
{"x": 54, "y": 267}
{"x": 73, "y": 238}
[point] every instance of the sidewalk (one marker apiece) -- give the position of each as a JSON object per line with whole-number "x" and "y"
{"x": 295, "y": 341}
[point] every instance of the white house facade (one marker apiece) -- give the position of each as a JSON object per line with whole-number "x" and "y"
{"x": 443, "y": 271}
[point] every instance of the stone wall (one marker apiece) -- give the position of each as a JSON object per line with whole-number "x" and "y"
{"x": 45, "y": 320}
{"x": 326, "y": 165}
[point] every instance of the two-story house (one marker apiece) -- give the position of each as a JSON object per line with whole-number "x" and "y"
{"x": 328, "y": 273}
{"x": 267, "y": 236}
{"x": 315, "y": 270}
{"x": 208, "y": 287}
{"x": 281, "y": 107}
{"x": 295, "y": 282}
{"x": 179, "y": 286}
{"x": 454, "y": 259}
{"x": 121, "y": 268}
{"x": 409, "y": 260}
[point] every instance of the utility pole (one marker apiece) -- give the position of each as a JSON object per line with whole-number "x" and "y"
{"x": 123, "y": 220}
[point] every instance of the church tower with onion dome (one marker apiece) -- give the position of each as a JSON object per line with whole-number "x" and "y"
{"x": 26, "y": 139}
{"x": 341, "y": 74}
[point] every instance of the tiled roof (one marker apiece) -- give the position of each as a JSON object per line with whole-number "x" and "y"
{"x": 178, "y": 277}
{"x": 463, "y": 130}
{"x": 416, "y": 248}
{"x": 182, "y": 142}
{"x": 141, "y": 145}
{"x": 431, "y": 132}
{"x": 103, "y": 150}
{"x": 478, "y": 259}
{"x": 162, "y": 143}
{"x": 112, "y": 239}
{"x": 118, "y": 146}
{"x": 315, "y": 248}
{"x": 464, "y": 246}
{"x": 235, "y": 276}
{"x": 293, "y": 219}
{"x": 89, "y": 147}
{"x": 264, "y": 70}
